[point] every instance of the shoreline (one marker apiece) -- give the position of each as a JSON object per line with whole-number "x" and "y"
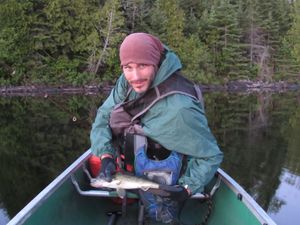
{"x": 232, "y": 86}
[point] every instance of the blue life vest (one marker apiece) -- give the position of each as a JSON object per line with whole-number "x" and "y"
{"x": 169, "y": 168}
{"x": 165, "y": 171}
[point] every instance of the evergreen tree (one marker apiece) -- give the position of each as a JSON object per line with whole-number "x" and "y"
{"x": 105, "y": 39}
{"x": 274, "y": 22}
{"x": 76, "y": 42}
{"x": 265, "y": 24}
{"x": 294, "y": 32}
{"x": 193, "y": 11}
{"x": 15, "y": 42}
{"x": 74, "y": 37}
{"x": 136, "y": 12}
{"x": 60, "y": 39}
{"x": 168, "y": 22}
{"x": 223, "y": 38}
{"x": 289, "y": 64}
{"x": 199, "y": 64}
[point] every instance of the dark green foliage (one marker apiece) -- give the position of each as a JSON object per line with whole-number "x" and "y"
{"x": 76, "y": 42}
{"x": 15, "y": 20}
{"x": 224, "y": 39}
{"x": 289, "y": 61}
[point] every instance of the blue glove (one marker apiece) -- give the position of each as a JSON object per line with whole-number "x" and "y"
{"x": 176, "y": 193}
{"x": 108, "y": 168}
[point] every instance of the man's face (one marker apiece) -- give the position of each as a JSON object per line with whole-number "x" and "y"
{"x": 139, "y": 76}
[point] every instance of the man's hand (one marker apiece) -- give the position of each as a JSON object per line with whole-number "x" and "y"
{"x": 108, "y": 168}
{"x": 176, "y": 193}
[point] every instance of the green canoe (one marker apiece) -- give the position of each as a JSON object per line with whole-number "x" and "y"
{"x": 70, "y": 200}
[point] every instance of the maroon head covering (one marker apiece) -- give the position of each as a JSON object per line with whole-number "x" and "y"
{"x": 141, "y": 48}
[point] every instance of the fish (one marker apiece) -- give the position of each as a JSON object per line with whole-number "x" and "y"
{"x": 122, "y": 182}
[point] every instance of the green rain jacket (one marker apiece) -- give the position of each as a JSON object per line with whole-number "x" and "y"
{"x": 177, "y": 122}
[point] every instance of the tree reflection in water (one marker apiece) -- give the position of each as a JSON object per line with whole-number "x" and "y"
{"x": 39, "y": 139}
{"x": 259, "y": 136}
{"x": 284, "y": 207}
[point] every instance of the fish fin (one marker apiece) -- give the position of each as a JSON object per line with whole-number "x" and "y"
{"x": 121, "y": 192}
{"x": 93, "y": 183}
{"x": 145, "y": 188}
{"x": 118, "y": 182}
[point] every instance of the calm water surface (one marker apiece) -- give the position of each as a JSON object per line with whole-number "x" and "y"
{"x": 258, "y": 133}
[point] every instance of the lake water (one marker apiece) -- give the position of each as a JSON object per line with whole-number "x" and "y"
{"x": 258, "y": 133}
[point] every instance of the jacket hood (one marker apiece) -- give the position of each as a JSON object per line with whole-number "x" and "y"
{"x": 169, "y": 65}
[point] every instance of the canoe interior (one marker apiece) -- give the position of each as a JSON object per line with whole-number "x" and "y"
{"x": 66, "y": 206}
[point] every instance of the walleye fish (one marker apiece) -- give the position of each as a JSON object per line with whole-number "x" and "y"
{"x": 122, "y": 182}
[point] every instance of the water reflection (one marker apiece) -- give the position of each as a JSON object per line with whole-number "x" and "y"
{"x": 39, "y": 138}
{"x": 3, "y": 216}
{"x": 291, "y": 134}
{"x": 258, "y": 134}
{"x": 285, "y": 204}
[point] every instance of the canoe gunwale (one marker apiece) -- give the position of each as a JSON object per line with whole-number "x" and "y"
{"x": 250, "y": 203}
{"x": 28, "y": 210}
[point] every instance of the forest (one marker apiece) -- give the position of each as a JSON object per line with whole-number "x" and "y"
{"x": 75, "y": 42}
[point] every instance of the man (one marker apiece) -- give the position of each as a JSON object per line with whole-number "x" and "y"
{"x": 154, "y": 106}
